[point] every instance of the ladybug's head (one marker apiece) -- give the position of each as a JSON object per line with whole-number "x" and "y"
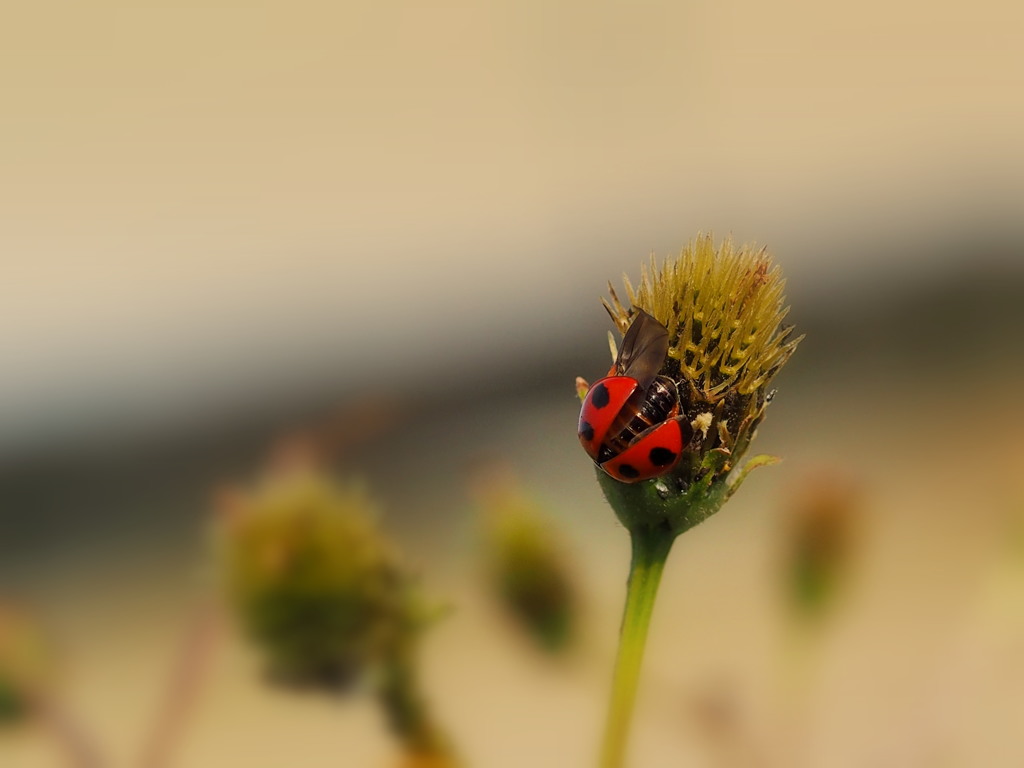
{"x": 643, "y": 350}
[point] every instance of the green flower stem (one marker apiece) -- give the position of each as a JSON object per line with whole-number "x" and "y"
{"x": 650, "y": 551}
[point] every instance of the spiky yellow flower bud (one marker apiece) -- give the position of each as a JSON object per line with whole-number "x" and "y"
{"x": 723, "y": 310}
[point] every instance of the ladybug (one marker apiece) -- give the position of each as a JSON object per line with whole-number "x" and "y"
{"x": 630, "y": 422}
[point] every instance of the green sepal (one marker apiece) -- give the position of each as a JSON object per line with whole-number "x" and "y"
{"x": 652, "y": 505}
{"x": 762, "y": 460}
{"x": 582, "y": 387}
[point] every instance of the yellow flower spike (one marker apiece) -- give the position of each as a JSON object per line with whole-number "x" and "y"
{"x": 724, "y": 311}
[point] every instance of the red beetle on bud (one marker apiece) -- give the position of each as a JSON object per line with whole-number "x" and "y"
{"x": 631, "y": 423}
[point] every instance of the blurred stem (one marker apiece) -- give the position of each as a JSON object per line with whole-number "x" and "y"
{"x": 651, "y": 547}
{"x": 78, "y": 746}
{"x": 183, "y": 687}
{"x": 407, "y": 711}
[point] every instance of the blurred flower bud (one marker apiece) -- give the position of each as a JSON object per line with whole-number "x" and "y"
{"x": 26, "y": 664}
{"x": 314, "y": 583}
{"x": 822, "y": 522}
{"x": 525, "y": 559}
{"x": 324, "y": 595}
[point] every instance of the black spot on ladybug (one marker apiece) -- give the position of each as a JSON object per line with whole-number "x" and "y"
{"x": 627, "y": 470}
{"x": 600, "y": 397}
{"x": 586, "y": 431}
{"x": 661, "y": 457}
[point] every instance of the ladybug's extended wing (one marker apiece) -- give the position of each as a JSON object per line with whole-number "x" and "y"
{"x": 643, "y": 350}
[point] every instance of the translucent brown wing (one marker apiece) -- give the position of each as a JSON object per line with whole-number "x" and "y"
{"x": 643, "y": 349}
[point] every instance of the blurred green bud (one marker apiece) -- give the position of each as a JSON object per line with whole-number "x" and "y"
{"x": 822, "y": 522}
{"x": 26, "y": 664}
{"x": 314, "y": 583}
{"x": 526, "y": 560}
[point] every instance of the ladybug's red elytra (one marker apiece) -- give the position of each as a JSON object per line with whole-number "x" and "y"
{"x": 630, "y": 422}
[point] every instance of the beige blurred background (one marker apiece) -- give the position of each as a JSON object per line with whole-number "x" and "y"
{"x": 220, "y": 223}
